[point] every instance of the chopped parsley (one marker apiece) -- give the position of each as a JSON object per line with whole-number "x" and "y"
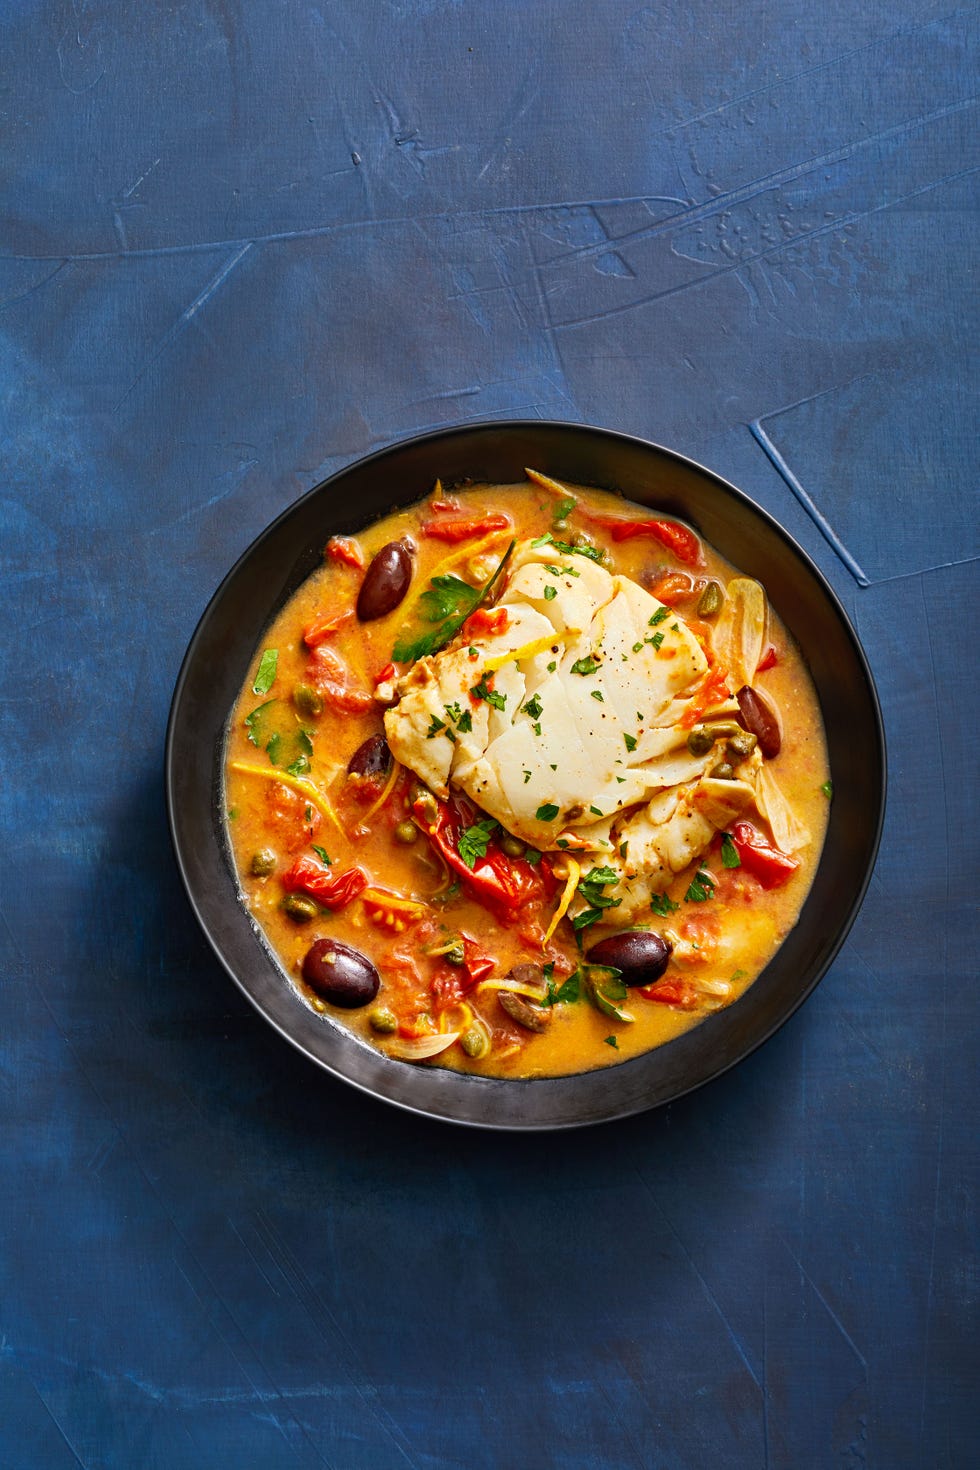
{"x": 532, "y": 706}
{"x": 630, "y": 741}
{"x": 828, "y": 789}
{"x": 597, "y": 694}
{"x": 266, "y": 674}
{"x": 298, "y": 767}
{"x": 564, "y": 509}
{"x": 536, "y": 727}
{"x": 532, "y": 856}
{"x": 587, "y": 665}
{"x": 527, "y": 777}
{"x": 552, "y": 667}
{"x": 434, "y": 727}
{"x": 323, "y": 855}
{"x": 663, "y": 905}
{"x": 483, "y": 691}
{"x": 465, "y": 722}
{"x": 655, "y": 641}
{"x": 729, "y": 853}
{"x": 473, "y": 842}
{"x": 637, "y": 647}
{"x": 658, "y": 617}
{"x": 611, "y": 1041}
{"x": 596, "y": 812}
{"x": 254, "y": 724}
{"x": 547, "y": 812}
{"x": 592, "y": 889}
{"x": 550, "y": 593}
{"x": 565, "y": 994}
{"x": 701, "y": 889}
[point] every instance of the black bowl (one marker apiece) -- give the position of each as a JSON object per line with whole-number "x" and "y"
{"x": 284, "y": 555}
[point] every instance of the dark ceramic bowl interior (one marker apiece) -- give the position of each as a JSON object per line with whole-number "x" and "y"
{"x": 270, "y": 571}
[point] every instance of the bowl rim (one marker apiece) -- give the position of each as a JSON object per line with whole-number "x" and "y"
{"x": 711, "y": 1074}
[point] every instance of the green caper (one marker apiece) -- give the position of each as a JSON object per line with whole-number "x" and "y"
{"x": 582, "y": 538}
{"x": 263, "y": 862}
{"x": 741, "y": 745}
{"x": 512, "y": 846}
{"x": 455, "y": 954}
{"x": 710, "y": 601}
{"x": 307, "y": 700}
{"x": 699, "y": 742}
{"x": 383, "y": 1021}
{"x": 475, "y": 1042}
{"x": 723, "y": 772}
{"x": 301, "y": 910}
{"x": 428, "y": 807}
{"x": 406, "y": 832}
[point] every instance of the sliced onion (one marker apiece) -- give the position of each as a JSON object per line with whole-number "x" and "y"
{"x": 714, "y": 987}
{"x": 789, "y": 833}
{"x": 741, "y": 629}
{"x": 516, "y": 987}
{"x": 418, "y": 1049}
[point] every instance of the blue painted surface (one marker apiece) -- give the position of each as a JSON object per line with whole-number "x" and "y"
{"x": 241, "y": 246}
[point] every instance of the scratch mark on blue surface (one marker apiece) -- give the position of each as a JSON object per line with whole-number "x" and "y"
{"x": 521, "y": 102}
{"x": 825, "y": 1304}
{"x": 819, "y": 519}
{"x": 51, "y": 1415}
{"x": 188, "y": 314}
{"x": 317, "y": 1309}
{"x": 38, "y": 285}
{"x": 813, "y": 71}
{"x": 706, "y": 1289}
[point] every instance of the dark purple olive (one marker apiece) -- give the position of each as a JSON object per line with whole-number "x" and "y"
{"x": 640, "y": 954}
{"x": 385, "y": 582}
{"x": 373, "y": 758}
{"x": 340, "y": 974}
{"x": 759, "y": 720}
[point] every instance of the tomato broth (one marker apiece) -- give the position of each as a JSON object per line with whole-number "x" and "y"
{"x": 449, "y": 914}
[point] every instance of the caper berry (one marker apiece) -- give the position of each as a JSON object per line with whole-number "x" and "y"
{"x": 710, "y": 601}
{"x": 307, "y": 700}
{"x": 383, "y": 1021}
{"x": 406, "y": 832}
{"x": 263, "y": 862}
{"x": 723, "y": 772}
{"x": 475, "y": 1042}
{"x": 741, "y": 745}
{"x": 699, "y": 742}
{"x": 300, "y": 909}
{"x": 512, "y": 846}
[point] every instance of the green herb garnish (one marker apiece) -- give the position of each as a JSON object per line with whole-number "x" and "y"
{"x": 611, "y": 1041}
{"x": 473, "y": 842}
{"x": 266, "y": 675}
{"x": 828, "y": 789}
{"x": 448, "y": 603}
{"x": 658, "y": 617}
{"x": 323, "y": 855}
{"x": 663, "y": 905}
{"x": 702, "y": 888}
{"x": 587, "y": 665}
{"x": 484, "y": 692}
{"x": 630, "y": 741}
{"x": 546, "y": 813}
{"x": 729, "y": 853}
{"x": 550, "y": 593}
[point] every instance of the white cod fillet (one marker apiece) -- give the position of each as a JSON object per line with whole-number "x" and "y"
{"x": 588, "y": 684}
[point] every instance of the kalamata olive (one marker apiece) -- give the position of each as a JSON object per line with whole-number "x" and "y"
{"x": 340, "y": 974}
{"x": 525, "y": 1015}
{"x": 760, "y": 720}
{"x": 385, "y": 582}
{"x": 373, "y": 758}
{"x": 640, "y": 954}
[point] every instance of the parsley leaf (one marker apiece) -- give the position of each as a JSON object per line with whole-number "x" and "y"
{"x": 658, "y": 617}
{"x": 570, "y": 549}
{"x": 266, "y": 675}
{"x": 611, "y": 1041}
{"x": 564, "y": 509}
{"x": 533, "y": 707}
{"x": 473, "y": 842}
{"x": 527, "y": 777}
{"x": 323, "y": 855}
{"x": 532, "y": 856}
{"x": 729, "y": 853}
{"x": 656, "y": 640}
{"x": 828, "y": 789}
{"x": 546, "y": 813}
{"x": 483, "y": 691}
{"x": 255, "y": 726}
{"x": 591, "y": 888}
{"x": 597, "y": 694}
{"x": 550, "y": 593}
{"x": 434, "y": 728}
{"x": 566, "y": 994}
{"x": 702, "y": 888}
{"x": 298, "y": 767}
{"x": 630, "y": 741}
{"x": 465, "y": 723}
{"x": 587, "y": 665}
{"x": 448, "y": 603}
{"x": 663, "y": 905}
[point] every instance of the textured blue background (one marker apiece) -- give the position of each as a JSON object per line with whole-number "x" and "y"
{"x": 242, "y": 244}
